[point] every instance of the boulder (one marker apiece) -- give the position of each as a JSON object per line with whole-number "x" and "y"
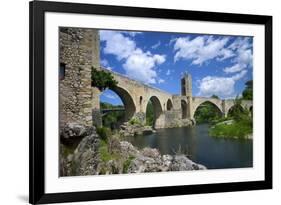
{"x": 74, "y": 132}
{"x": 182, "y": 163}
{"x": 85, "y": 159}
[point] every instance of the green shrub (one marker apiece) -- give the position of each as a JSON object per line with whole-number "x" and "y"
{"x": 127, "y": 163}
{"x": 104, "y": 133}
{"x": 135, "y": 121}
{"x": 237, "y": 129}
{"x": 103, "y": 79}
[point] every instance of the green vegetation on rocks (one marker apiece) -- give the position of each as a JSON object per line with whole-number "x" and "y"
{"x": 239, "y": 124}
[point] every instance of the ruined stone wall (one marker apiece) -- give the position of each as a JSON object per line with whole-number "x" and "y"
{"x": 78, "y": 52}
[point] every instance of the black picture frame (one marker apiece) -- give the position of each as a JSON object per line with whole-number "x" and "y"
{"x": 37, "y": 9}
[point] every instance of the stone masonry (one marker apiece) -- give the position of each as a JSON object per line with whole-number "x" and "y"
{"x": 79, "y": 51}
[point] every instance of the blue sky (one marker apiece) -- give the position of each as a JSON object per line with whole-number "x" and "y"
{"x": 218, "y": 64}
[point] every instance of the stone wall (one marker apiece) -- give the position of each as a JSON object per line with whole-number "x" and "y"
{"x": 78, "y": 52}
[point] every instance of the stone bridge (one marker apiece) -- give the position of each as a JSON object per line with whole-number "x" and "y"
{"x": 169, "y": 110}
{"x": 80, "y": 103}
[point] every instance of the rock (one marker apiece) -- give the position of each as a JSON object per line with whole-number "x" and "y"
{"x": 182, "y": 163}
{"x": 85, "y": 159}
{"x": 128, "y": 129}
{"x": 128, "y": 149}
{"x": 72, "y": 131}
{"x": 149, "y": 152}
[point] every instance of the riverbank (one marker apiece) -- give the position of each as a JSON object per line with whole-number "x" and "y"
{"x": 112, "y": 155}
{"x": 232, "y": 129}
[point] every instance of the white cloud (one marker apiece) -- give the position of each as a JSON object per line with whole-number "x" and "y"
{"x": 138, "y": 64}
{"x": 156, "y": 45}
{"x": 161, "y": 81}
{"x": 110, "y": 96}
{"x": 168, "y": 72}
{"x": 109, "y": 68}
{"x": 131, "y": 33}
{"x": 201, "y": 49}
{"x": 104, "y": 63}
{"x": 117, "y": 44}
{"x": 235, "y": 68}
{"x": 221, "y": 86}
{"x": 204, "y": 48}
{"x": 244, "y": 55}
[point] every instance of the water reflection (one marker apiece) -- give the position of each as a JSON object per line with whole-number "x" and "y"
{"x": 212, "y": 152}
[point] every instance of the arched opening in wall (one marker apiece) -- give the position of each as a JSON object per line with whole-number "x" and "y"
{"x": 207, "y": 112}
{"x": 153, "y": 111}
{"x": 169, "y": 104}
{"x": 117, "y": 107}
{"x": 183, "y": 109}
{"x": 251, "y": 111}
{"x": 237, "y": 111}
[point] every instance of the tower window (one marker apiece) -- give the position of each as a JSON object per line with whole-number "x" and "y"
{"x": 62, "y": 71}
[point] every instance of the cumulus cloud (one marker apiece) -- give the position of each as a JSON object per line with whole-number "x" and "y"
{"x": 117, "y": 44}
{"x": 138, "y": 64}
{"x": 201, "y": 49}
{"x": 244, "y": 56}
{"x": 221, "y": 86}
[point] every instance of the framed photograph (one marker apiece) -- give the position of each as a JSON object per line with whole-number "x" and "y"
{"x": 140, "y": 102}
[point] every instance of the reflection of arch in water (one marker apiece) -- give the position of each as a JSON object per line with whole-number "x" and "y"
{"x": 169, "y": 104}
{"x": 183, "y": 109}
{"x": 128, "y": 102}
{"x": 157, "y": 108}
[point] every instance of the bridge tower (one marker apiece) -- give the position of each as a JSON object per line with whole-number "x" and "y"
{"x": 186, "y": 91}
{"x": 186, "y": 85}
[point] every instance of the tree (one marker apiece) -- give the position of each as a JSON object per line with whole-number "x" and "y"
{"x": 102, "y": 79}
{"x": 149, "y": 114}
{"x": 215, "y": 96}
{"x": 206, "y": 112}
{"x": 248, "y": 91}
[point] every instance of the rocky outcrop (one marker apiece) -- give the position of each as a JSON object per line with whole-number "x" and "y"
{"x": 85, "y": 159}
{"x": 117, "y": 156}
{"x": 73, "y": 132}
{"x": 128, "y": 129}
{"x": 150, "y": 160}
{"x": 78, "y": 150}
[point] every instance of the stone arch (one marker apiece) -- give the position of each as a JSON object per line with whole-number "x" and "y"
{"x": 196, "y": 106}
{"x": 129, "y": 105}
{"x": 251, "y": 108}
{"x": 157, "y": 109}
{"x": 169, "y": 104}
{"x": 183, "y": 109}
{"x": 232, "y": 106}
{"x": 216, "y": 104}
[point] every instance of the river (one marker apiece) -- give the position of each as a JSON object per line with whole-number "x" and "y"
{"x": 214, "y": 153}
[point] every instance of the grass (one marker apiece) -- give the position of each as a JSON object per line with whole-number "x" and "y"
{"x": 238, "y": 129}
{"x": 127, "y": 163}
{"x": 105, "y": 155}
